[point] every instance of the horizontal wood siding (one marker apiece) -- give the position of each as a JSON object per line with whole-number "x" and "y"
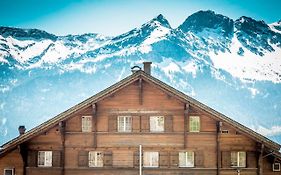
{"x": 120, "y": 150}
{"x": 12, "y": 160}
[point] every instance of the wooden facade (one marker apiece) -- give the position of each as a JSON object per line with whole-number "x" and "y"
{"x": 137, "y": 98}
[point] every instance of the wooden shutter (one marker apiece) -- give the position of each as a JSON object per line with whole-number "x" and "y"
{"x": 164, "y": 159}
{"x": 199, "y": 159}
{"x": 107, "y": 158}
{"x": 83, "y": 158}
{"x": 136, "y": 159}
{"x": 112, "y": 123}
{"x": 251, "y": 158}
{"x": 226, "y": 159}
{"x": 145, "y": 123}
{"x": 56, "y": 158}
{"x": 174, "y": 159}
{"x": 168, "y": 122}
{"x": 136, "y": 123}
{"x": 32, "y": 158}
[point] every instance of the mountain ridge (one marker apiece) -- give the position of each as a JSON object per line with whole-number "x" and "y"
{"x": 238, "y": 59}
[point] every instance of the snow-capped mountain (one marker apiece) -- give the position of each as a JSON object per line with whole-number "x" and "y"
{"x": 231, "y": 65}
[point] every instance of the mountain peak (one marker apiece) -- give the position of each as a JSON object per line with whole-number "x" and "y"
{"x": 200, "y": 20}
{"x": 162, "y": 20}
{"x": 247, "y": 23}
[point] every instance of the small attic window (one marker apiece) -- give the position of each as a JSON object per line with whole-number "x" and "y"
{"x": 224, "y": 131}
{"x": 276, "y": 167}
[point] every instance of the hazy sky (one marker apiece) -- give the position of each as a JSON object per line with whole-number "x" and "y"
{"x": 112, "y": 17}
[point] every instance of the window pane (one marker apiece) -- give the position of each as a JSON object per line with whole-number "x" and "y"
{"x": 41, "y": 158}
{"x": 154, "y": 159}
{"x": 95, "y": 159}
{"x": 124, "y": 123}
{"x": 91, "y": 159}
{"x": 45, "y": 158}
{"x": 242, "y": 159}
{"x": 99, "y": 159}
{"x": 128, "y": 125}
{"x": 234, "y": 159}
{"x": 8, "y": 172}
{"x": 186, "y": 159}
{"x": 150, "y": 159}
{"x": 121, "y": 124}
{"x": 190, "y": 159}
{"x": 86, "y": 123}
{"x": 194, "y": 124}
{"x": 146, "y": 161}
{"x": 182, "y": 159}
{"x": 157, "y": 123}
{"x": 48, "y": 158}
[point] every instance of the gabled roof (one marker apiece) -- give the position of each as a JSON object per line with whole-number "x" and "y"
{"x": 119, "y": 85}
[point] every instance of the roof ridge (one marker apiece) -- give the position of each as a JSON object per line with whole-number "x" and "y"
{"x": 113, "y": 88}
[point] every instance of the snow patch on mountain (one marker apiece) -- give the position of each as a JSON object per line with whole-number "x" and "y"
{"x": 191, "y": 67}
{"x": 169, "y": 67}
{"x": 158, "y": 34}
{"x": 249, "y": 66}
{"x": 276, "y": 27}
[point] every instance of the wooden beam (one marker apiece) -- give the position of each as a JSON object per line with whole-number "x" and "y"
{"x": 62, "y": 134}
{"x": 24, "y": 154}
{"x": 186, "y": 110}
{"x": 94, "y": 112}
{"x": 260, "y": 160}
{"x": 140, "y": 92}
{"x": 140, "y": 124}
{"x": 219, "y": 125}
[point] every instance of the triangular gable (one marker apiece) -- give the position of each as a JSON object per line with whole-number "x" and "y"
{"x": 121, "y": 84}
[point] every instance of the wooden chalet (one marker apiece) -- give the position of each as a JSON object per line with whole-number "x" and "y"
{"x": 140, "y": 125}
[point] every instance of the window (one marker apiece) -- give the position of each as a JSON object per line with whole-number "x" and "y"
{"x": 8, "y": 171}
{"x": 186, "y": 159}
{"x": 150, "y": 159}
{"x": 224, "y": 131}
{"x": 86, "y": 123}
{"x": 95, "y": 159}
{"x": 194, "y": 124}
{"x": 276, "y": 167}
{"x": 45, "y": 158}
{"x": 238, "y": 159}
{"x": 124, "y": 123}
{"x": 156, "y": 123}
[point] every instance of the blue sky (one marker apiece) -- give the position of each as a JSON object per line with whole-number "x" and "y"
{"x": 112, "y": 17}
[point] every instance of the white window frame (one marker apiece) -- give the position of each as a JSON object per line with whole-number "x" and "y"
{"x": 194, "y": 124}
{"x": 47, "y": 158}
{"x": 7, "y": 169}
{"x": 273, "y": 167}
{"x": 237, "y": 155}
{"x": 149, "y": 157}
{"x": 95, "y": 159}
{"x": 188, "y": 157}
{"x": 86, "y": 123}
{"x": 157, "y": 123}
{"x": 124, "y": 124}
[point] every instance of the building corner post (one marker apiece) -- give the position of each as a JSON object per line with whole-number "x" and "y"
{"x": 260, "y": 160}
{"x": 186, "y": 111}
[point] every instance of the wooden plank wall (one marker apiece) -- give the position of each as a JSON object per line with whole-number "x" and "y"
{"x": 122, "y": 148}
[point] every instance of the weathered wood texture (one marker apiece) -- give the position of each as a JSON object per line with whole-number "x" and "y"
{"x": 12, "y": 160}
{"x": 121, "y": 149}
